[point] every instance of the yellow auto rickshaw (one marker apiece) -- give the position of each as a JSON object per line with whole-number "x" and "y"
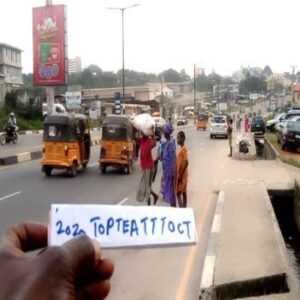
{"x": 118, "y": 147}
{"x": 202, "y": 120}
{"x": 67, "y": 143}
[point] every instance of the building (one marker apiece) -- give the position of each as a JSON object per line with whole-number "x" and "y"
{"x": 74, "y": 65}
{"x": 10, "y": 69}
{"x": 222, "y": 91}
{"x": 296, "y": 95}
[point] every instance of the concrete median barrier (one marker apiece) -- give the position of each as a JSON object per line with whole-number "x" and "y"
{"x": 28, "y": 156}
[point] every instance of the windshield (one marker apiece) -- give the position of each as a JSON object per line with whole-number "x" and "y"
{"x": 115, "y": 132}
{"x": 293, "y": 125}
{"x": 57, "y": 133}
{"x": 220, "y": 120}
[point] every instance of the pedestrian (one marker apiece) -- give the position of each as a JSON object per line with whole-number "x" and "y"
{"x": 181, "y": 175}
{"x": 147, "y": 143}
{"x": 238, "y": 123}
{"x": 246, "y": 123}
{"x": 229, "y": 133}
{"x": 74, "y": 270}
{"x": 168, "y": 166}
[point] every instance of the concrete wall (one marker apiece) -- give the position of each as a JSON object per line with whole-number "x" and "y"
{"x": 297, "y": 203}
{"x": 270, "y": 152}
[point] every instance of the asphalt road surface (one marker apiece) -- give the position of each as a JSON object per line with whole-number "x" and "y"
{"x": 140, "y": 273}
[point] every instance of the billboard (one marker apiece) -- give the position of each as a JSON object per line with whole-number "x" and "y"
{"x": 73, "y": 100}
{"x": 49, "y": 47}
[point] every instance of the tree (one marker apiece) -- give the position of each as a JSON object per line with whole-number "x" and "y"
{"x": 170, "y": 75}
{"x": 267, "y": 71}
{"x": 252, "y": 84}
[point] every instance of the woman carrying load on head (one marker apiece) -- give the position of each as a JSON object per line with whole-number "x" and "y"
{"x": 168, "y": 166}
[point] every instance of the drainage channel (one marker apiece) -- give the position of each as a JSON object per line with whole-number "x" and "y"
{"x": 284, "y": 210}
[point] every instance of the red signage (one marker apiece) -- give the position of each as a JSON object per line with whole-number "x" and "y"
{"x": 49, "y": 55}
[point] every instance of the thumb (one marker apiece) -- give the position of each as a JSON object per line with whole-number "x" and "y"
{"x": 82, "y": 254}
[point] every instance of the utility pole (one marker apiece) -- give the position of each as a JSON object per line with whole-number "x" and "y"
{"x": 50, "y": 90}
{"x": 195, "y": 91}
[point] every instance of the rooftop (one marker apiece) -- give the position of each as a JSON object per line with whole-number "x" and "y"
{"x": 10, "y": 46}
{"x": 296, "y": 88}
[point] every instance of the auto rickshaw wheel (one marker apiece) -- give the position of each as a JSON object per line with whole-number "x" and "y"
{"x": 103, "y": 168}
{"x": 128, "y": 169}
{"x": 48, "y": 171}
{"x": 73, "y": 169}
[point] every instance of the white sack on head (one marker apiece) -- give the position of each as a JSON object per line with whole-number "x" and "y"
{"x": 144, "y": 122}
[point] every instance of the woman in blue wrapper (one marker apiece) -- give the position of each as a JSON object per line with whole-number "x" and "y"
{"x": 168, "y": 166}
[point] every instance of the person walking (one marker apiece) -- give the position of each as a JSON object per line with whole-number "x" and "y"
{"x": 229, "y": 133}
{"x": 246, "y": 123}
{"x": 168, "y": 166}
{"x": 181, "y": 175}
{"x": 238, "y": 123}
{"x": 146, "y": 143}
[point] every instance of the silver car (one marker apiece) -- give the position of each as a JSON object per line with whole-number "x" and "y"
{"x": 218, "y": 127}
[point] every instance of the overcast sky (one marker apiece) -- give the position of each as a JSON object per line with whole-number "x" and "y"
{"x": 160, "y": 34}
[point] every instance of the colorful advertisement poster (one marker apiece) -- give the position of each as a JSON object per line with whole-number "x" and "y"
{"x": 49, "y": 49}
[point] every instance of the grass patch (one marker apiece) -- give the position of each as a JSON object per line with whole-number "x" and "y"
{"x": 291, "y": 161}
{"x": 271, "y": 137}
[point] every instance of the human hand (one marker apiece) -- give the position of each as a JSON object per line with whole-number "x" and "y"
{"x": 74, "y": 270}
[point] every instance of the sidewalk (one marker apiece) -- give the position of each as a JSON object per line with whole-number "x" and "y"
{"x": 246, "y": 254}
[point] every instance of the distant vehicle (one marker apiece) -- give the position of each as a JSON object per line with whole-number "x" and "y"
{"x": 218, "y": 127}
{"x": 159, "y": 127}
{"x": 270, "y": 124}
{"x": 258, "y": 124}
{"x": 289, "y": 135}
{"x": 182, "y": 120}
{"x": 291, "y": 113}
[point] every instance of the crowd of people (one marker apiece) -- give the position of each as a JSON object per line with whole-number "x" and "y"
{"x": 174, "y": 168}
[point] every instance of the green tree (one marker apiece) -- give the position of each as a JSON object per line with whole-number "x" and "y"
{"x": 252, "y": 84}
{"x": 170, "y": 75}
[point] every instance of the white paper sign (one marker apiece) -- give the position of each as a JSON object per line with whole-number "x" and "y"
{"x": 122, "y": 226}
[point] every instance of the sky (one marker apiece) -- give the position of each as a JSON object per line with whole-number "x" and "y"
{"x": 219, "y": 35}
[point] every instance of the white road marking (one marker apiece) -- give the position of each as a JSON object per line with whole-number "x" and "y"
{"x": 208, "y": 272}
{"x": 9, "y": 196}
{"x": 216, "y": 224}
{"x": 121, "y": 202}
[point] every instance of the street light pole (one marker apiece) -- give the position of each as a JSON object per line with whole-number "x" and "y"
{"x": 122, "y": 9}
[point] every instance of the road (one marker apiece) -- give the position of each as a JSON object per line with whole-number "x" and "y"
{"x": 29, "y": 143}
{"x": 140, "y": 273}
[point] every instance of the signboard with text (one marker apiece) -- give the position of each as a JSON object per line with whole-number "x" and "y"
{"x": 73, "y": 100}
{"x": 49, "y": 47}
{"x": 122, "y": 226}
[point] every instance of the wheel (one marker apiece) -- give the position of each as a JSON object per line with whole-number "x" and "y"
{"x": 128, "y": 169}
{"x": 84, "y": 165}
{"x": 2, "y": 139}
{"x": 103, "y": 168}
{"x": 226, "y": 137}
{"x": 15, "y": 138}
{"x": 204, "y": 128}
{"x": 48, "y": 171}
{"x": 211, "y": 136}
{"x": 283, "y": 146}
{"x": 73, "y": 169}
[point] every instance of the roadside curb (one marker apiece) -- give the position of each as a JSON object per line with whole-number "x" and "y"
{"x": 28, "y": 132}
{"x": 206, "y": 285}
{"x": 28, "y": 156}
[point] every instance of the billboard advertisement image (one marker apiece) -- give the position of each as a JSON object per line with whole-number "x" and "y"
{"x": 49, "y": 53}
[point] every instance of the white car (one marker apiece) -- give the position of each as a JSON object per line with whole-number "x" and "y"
{"x": 218, "y": 127}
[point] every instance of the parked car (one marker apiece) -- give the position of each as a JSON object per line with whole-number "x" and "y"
{"x": 258, "y": 124}
{"x": 291, "y": 113}
{"x": 159, "y": 127}
{"x": 270, "y": 124}
{"x": 218, "y": 127}
{"x": 289, "y": 135}
{"x": 182, "y": 121}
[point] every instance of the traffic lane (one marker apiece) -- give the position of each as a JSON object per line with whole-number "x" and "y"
{"x": 38, "y": 192}
{"x": 30, "y": 143}
{"x": 175, "y": 272}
